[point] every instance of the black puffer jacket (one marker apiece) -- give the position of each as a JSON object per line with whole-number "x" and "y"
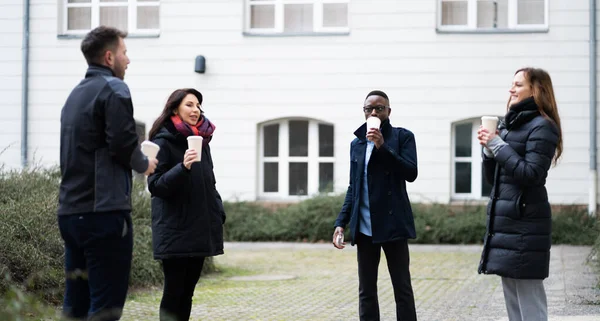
{"x": 518, "y": 237}
{"x": 187, "y": 211}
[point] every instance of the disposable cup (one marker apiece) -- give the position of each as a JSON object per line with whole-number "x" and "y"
{"x": 195, "y": 142}
{"x": 490, "y": 123}
{"x": 150, "y": 149}
{"x": 373, "y": 122}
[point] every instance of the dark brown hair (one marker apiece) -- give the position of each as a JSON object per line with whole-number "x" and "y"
{"x": 543, "y": 94}
{"x": 172, "y": 104}
{"x": 98, "y": 41}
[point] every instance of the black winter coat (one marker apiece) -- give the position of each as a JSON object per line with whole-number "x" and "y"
{"x": 518, "y": 236}
{"x": 98, "y": 146}
{"x": 389, "y": 168}
{"x": 187, "y": 211}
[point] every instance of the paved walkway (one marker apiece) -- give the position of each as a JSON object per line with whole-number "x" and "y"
{"x": 294, "y": 281}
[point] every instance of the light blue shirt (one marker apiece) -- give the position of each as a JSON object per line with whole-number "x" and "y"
{"x": 364, "y": 225}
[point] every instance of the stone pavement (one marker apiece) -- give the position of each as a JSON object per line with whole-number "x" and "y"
{"x": 297, "y": 281}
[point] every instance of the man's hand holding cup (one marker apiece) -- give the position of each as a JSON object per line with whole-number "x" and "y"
{"x": 150, "y": 149}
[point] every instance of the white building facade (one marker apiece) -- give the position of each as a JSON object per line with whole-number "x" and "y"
{"x": 285, "y": 81}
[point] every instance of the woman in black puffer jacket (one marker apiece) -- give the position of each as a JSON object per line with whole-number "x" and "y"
{"x": 516, "y": 161}
{"x": 187, "y": 211}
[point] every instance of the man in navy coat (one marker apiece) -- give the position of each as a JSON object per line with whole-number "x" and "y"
{"x": 378, "y": 209}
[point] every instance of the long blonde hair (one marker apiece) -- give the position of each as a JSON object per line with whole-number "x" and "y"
{"x": 543, "y": 95}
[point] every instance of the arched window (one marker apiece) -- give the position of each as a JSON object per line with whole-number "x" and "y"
{"x": 295, "y": 158}
{"x": 468, "y": 181}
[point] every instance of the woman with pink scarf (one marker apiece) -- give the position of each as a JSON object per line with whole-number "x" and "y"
{"x": 187, "y": 211}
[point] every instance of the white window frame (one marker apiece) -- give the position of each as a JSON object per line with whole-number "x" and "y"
{"x": 474, "y": 159}
{"x": 471, "y": 25}
{"x": 283, "y": 160}
{"x": 95, "y": 6}
{"x": 279, "y": 16}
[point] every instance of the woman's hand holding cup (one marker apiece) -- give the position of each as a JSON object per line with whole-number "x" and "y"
{"x": 189, "y": 158}
{"x": 484, "y": 136}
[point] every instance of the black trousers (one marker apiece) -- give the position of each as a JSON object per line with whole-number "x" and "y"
{"x": 397, "y": 256}
{"x": 181, "y": 277}
{"x": 98, "y": 253}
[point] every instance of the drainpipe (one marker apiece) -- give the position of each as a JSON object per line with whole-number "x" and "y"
{"x": 593, "y": 201}
{"x": 25, "y": 85}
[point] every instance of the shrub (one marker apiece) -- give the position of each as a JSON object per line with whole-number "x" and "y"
{"x": 573, "y": 225}
{"x": 445, "y": 224}
{"x": 31, "y": 248}
{"x": 312, "y": 221}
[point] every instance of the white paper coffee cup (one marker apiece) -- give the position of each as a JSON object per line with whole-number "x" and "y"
{"x": 150, "y": 149}
{"x": 373, "y": 122}
{"x": 195, "y": 142}
{"x": 490, "y": 123}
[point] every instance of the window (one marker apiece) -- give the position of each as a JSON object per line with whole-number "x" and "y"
{"x": 478, "y": 15}
{"x": 133, "y": 16}
{"x": 295, "y": 158}
{"x": 468, "y": 181}
{"x": 296, "y": 16}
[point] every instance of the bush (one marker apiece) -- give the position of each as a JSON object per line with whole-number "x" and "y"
{"x": 312, "y": 221}
{"x": 307, "y": 221}
{"x": 445, "y": 224}
{"x": 17, "y": 305}
{"x": 31, "y": 248}
{"x": 573, "y": 225}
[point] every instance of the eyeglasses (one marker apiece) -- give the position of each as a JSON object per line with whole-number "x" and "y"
{"x": 379, "y": 108}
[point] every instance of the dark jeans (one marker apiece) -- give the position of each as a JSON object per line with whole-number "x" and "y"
{"x": 98, "y": 250}
{"x": 181, "y": 277}
{"x": 397, "y": 256}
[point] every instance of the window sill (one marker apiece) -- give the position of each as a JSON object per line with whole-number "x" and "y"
{"x": 129, "y": 35}
{"x": 294, "y": 34}
{"x": 490, "y": 31}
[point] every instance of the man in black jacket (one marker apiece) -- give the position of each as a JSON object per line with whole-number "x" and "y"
{"x": 377, "y": 207}
{"x": 98, "y": 150}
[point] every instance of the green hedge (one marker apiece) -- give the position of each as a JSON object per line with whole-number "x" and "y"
{"x": 312, "y": 221}
{"x": 30, "y": 244}
{"x": 32, "y": 251}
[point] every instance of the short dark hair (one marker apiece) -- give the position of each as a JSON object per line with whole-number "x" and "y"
{"x": 97, "y": 41}
{"x": 378, "y": 93}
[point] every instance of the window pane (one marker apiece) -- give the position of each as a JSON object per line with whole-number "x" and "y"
{"x": 80, "y": 1}
{"x": 486, "y": 188}
{"x": 298, "y": 18}
{"x": 125, "y": 1}
{"x": 454, "y": 13}
{"x": 271, "y": 177}
{"x": 114, "y": 17}
{"x": 335, "y": 15}
{"x": 492, "y": 14}
{"x": 147, "y": 17}
{"x": 79, "y": 18}
{"x": 530, "y": 12}
{"x": 325, "y": 177}
{"x": 325, "y": 140}
{"x": 462, "y": 141}
{"x": 271, "y": 140}
{"x": 298, "y": 138}
{"x": 462, "y": 182}
{"x": 298, "y": 178}
{"x": 262, "y": 17}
